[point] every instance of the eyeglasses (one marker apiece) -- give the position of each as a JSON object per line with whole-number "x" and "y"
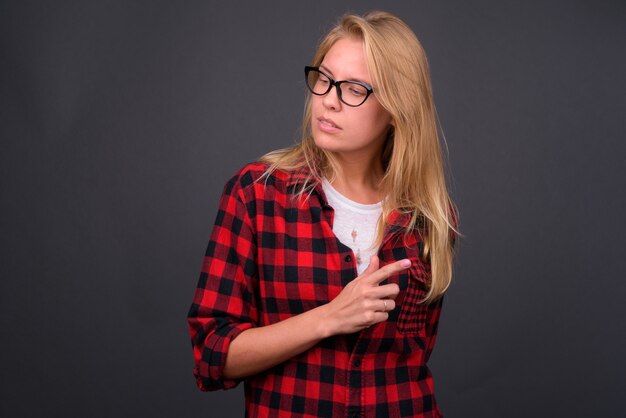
{"x": 352, "y": 93}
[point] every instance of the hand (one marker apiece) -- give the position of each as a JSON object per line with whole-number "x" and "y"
{"x": 364, "y": 301}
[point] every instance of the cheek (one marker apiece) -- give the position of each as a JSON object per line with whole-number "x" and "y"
{"x": 380, "y": 113}
{"x": 317, "y": 108}
{"x": 316, "y": 102}
{"x": 378, "y": 119}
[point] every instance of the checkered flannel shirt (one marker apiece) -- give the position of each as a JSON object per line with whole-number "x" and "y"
{"x": 273, "y": 255}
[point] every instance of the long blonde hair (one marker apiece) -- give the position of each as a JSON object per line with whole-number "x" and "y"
{"x": 414, "y": 180}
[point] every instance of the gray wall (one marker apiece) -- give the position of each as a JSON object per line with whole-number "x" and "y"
{"x": 120, "y": 122}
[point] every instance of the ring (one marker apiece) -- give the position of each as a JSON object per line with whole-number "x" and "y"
{"x": 385, "y": 306}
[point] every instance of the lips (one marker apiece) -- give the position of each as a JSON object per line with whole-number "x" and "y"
{"x": 328, "y": 123}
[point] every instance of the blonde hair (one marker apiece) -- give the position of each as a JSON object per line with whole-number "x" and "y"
{"x": 414, "y": 180}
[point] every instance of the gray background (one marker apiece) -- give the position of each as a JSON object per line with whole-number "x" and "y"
{"x": 120, "y": 122}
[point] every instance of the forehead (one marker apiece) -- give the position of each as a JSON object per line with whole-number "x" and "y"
{"x": 345, "y": 60}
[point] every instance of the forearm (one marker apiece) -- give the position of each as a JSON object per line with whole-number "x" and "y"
{"x": 362, "y": 303}
{"x": 258, "y": 349}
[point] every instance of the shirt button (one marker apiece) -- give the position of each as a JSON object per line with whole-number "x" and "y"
{"x": 348, "y": 258}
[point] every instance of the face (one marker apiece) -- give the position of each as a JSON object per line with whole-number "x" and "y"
{"x": 337, "y": 127}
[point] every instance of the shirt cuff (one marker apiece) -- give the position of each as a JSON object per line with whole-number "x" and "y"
{"x": 209, "y": 370}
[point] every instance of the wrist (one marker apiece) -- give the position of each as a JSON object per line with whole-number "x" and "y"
{"x": 324, "y": 323}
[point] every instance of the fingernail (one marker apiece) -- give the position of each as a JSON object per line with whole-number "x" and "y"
{"x": 405, "y": 263}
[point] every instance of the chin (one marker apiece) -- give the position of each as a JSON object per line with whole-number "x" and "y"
{"x": 324, "y": 142}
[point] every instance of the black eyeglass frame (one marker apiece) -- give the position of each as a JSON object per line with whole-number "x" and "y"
{"x": 337, "y": 85}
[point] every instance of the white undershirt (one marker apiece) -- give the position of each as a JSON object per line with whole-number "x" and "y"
{"x": 354, "y": 224}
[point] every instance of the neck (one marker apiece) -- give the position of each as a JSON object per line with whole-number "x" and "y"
{"x": 359, "y": 179}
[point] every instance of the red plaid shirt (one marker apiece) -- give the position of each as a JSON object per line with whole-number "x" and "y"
{"x": 273, "y": 255}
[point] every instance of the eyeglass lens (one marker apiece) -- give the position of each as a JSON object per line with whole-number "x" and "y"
{"x": 352, "y": 94}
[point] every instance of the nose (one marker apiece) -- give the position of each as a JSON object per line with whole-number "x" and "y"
{"x": 331, "y": 99}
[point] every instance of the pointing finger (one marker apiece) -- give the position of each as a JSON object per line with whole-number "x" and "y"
{"x": 388, "y": 270}
{"x": 372, "y": 267}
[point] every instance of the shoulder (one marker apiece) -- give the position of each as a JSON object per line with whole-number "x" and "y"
{"x": 246, "y": 176}
{"x": 254, "y": 178}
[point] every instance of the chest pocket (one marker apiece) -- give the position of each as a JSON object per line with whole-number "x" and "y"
{"x": 413, "y": 313}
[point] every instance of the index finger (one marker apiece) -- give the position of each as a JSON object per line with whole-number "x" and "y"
{"x": 387, "y": 271}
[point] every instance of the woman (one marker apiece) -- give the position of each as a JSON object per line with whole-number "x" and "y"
{"x": 322, "y": 283}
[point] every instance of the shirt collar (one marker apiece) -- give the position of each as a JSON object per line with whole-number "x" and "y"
{"x": 299, "y": 177}
{"x": 397, "y": 218}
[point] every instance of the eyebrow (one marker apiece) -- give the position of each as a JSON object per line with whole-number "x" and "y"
{"x": 325, "y": 68}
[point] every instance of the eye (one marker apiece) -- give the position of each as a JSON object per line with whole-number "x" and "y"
{"x": 323, "y": 79}
{"x": 357, "y": 90}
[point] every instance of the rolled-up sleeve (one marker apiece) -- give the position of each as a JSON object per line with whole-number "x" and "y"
{"x": 224, "y": 302}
